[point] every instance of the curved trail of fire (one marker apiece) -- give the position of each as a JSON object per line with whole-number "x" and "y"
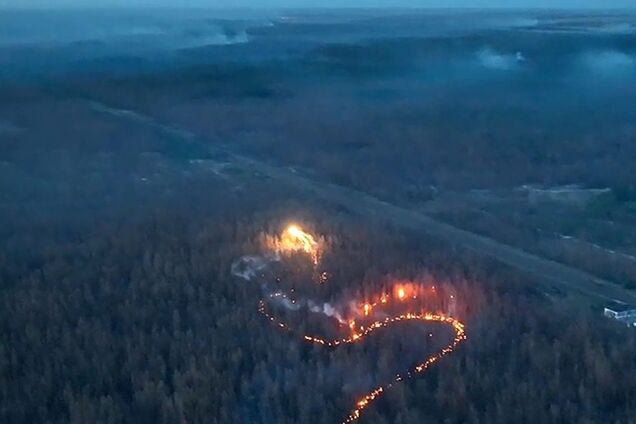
{"x": 294, "y": 239}
{"x": 366, "y": 400}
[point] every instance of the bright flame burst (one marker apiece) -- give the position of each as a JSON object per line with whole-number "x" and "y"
{"x": 294, "y": 239}
{"x": 400, "y": 293}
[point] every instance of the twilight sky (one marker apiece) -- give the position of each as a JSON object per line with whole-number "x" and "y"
{"x": 326, "y": 3}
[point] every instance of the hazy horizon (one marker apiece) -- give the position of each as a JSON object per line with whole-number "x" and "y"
{"x": 315, "y": 4}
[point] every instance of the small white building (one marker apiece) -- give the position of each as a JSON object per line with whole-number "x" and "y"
{"x": 622, "y": 312}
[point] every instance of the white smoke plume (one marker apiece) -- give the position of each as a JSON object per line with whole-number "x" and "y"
{"x": 489, "y": 58}
{"x": 252, "y": 267}
{"x": 284, "y": 301}
{"x": 315, "y": 307}
{"x": 326, "y": 309}
{"x": 249, "y": 267}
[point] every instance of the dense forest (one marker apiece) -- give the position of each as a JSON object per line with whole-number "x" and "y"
{"x": 140, "y": 320}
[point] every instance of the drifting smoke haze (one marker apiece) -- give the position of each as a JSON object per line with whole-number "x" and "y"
{"x": 37, "y": 44}
{"x": 610, "y": 63}
{"x": 490, "y": 58}
{"x": 250, "y": 267}
{"x": 325, "y": 308}
{"x": 293, "y": 239}
{"x": 118, "y": 31}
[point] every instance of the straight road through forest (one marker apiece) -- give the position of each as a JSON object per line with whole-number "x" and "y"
{"x": 543, "y": 270}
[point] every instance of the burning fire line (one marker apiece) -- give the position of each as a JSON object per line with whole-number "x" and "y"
{"x": 295, "y": 239}
{"x": 356, "y": 336}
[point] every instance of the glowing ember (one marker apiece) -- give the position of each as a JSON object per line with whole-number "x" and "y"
{"x": 367, "y": 309}
{"x": 323, "y": 277}
{"x": 401, "y": 293}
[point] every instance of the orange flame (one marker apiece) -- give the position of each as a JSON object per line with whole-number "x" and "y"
{"x": 295, "y": 239}
{"x": 400, "y": 292}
